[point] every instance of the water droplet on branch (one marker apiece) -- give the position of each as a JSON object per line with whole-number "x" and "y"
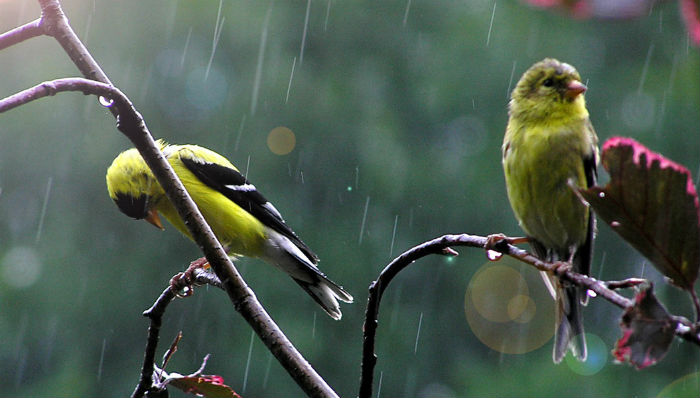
{"x": 493, "y": 255}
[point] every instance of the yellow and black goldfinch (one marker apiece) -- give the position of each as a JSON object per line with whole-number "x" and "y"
{"x": 549, "y": 145}
{"x": 244, "y": 221}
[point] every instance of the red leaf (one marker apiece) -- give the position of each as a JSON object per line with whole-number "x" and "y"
{"x": 598, "y": 9}
{"x": 647, "y": 331}
{"x": 690, "y": 10}
{"x": 211, "y": 386}
{"x": 652, "y": 203}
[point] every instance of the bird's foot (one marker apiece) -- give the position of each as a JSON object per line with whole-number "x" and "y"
{"x": 183, "y": 282}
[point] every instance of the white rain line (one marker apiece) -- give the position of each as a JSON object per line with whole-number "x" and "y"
{"x": 303, "y": 36}
{"x": 420, "y": 323}
{"x": 645, "y": 68}
{"x": 364, "y": 218}
{"x": 291, "y": 76}
{"x": 393, "y": 236}
{"x": 261, "y": 57}
{"x": 43, "y": 210}
{"x": 217, "y": 34}
{"x": 493, "y": 13}
{"x": 405, "y": 14}
{"x": 247, "y": 363}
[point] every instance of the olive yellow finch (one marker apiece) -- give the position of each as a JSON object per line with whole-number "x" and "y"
{"x": 549, "y": 145}
{"x": 241, "y": 218}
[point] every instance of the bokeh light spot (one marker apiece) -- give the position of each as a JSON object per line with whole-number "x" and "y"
{"x": 686, "y": 386}
{"x": 209, "y": 94}
{"x": 597, "y": 357}
{"x": 638, "y": 111}
{"x": 521, "y": 308}
{"x": 508, "y": 310}
{"x": 20, "y": 267}
{"x": 493, "y": 288}
{"x": 281, "y": 140}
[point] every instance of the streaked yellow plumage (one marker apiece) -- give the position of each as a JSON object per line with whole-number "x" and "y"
{"x": 549, "y": 145}
{"x": 245, "y": 223}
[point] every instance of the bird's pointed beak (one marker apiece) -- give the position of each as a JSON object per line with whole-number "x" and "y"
{"x": 574, "y": 88}
{"x": 153, "y": 219}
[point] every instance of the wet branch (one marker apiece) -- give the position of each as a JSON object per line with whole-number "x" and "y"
{"x": 155, "y": 314}
{"x": 69, "y": 84}
{"x": 20, "y": 34}
{"x": 53, "y": 22}
{"x": 442, "y": 245}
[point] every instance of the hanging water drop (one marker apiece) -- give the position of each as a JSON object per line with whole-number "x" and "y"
{"x": 106, "y": 102}
{"x": 493, "y": 255}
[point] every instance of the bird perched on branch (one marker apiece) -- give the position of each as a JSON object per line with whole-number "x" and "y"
{"x": 550, "y": 148}
{"x": 242, "y": 219}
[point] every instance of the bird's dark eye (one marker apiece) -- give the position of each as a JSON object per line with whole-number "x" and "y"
{"x": 548, "y": 83}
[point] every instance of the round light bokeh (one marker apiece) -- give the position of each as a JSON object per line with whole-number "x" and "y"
{"x": 686, "y": 386}
{"x": 281, "y": 140}
{"x": 508, "y": 310}
{"x": 597, "y": 357}
{"x": 20, "y": 267}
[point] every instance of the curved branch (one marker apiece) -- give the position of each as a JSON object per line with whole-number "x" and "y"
{"x": 70, "y": 84}
{"x": 377, "y": 288}
{"x": 685, "y": 329}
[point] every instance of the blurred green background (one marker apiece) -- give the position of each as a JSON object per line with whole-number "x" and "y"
{"x": 398, "y": 109}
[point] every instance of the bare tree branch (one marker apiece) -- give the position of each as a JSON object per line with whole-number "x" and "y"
{"x": 70, "y": 84}
{"x": 56, "y": 25}
{"x": 155, "y": 314}
{"x": 684, "y": 329}
{"x": 20, "y": 34}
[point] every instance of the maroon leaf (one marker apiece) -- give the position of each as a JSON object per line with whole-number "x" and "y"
{"x": 652, "y": 203}
{"x": 597, "y": 9}
{"x": 690, "y": 9}
{"x": 647, "y": 331}
{"x": 210, "y": 386}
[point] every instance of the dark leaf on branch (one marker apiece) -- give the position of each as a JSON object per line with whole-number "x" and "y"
{"x": 652, "y": 203}
{"x": 210, "y": 386}
{"x": 647, "y": 331}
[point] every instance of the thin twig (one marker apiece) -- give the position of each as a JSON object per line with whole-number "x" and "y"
{"x": 155, "y": 314}
{"x": 625, "y": 283}
{"x": 69, "y": 84}
{"x": 21, "y": 33}
{"x": 696, "y": 304}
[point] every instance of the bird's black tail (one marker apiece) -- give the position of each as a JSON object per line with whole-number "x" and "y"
{"x": 569, "y": 332}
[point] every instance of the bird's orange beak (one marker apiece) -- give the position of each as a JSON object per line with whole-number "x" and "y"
{"x": 153, "y": 219}
{"x": 574, "y": 88}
